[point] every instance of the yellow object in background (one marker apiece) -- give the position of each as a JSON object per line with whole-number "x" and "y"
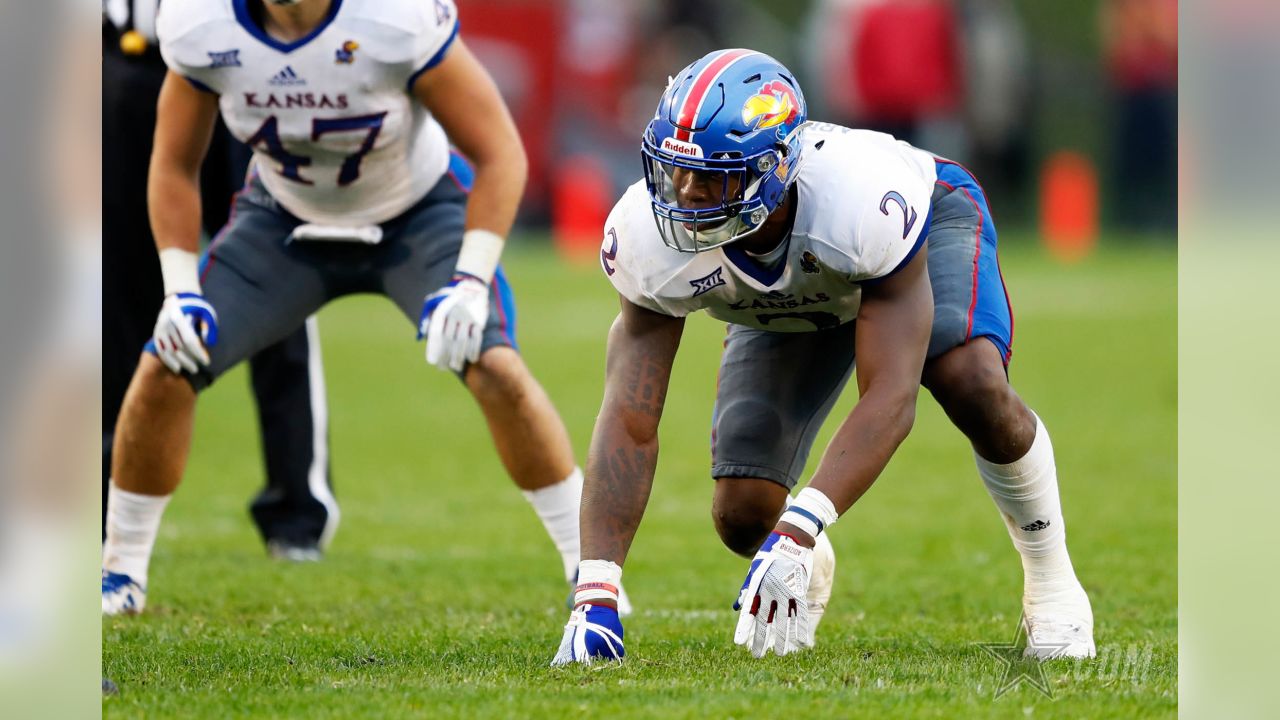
{"x": 133, "y": 43}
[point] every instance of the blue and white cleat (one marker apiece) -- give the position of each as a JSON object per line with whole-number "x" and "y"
{"x": 593, "y": 633}
{"x": 121, "y": 595}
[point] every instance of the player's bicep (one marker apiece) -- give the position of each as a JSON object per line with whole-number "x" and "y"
{"x": 894, "y": 322}
{"x": 185, "y": 119}
{"x": 465, "y": 101}
{"x": 642, "y": 349}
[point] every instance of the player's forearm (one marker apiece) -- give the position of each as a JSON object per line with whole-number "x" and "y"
{"x": 497, "y": 189}
{"x": 173, "y": 201}
{"x": 624, "y": 447}
{"x": 619, "y": 477}
{"x": 863, "y": 445}
{"x": 491, "y": 210}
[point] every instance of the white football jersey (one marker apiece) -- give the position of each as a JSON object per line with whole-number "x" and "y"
{"x": 862, "y": 210}
{"x": 338, "y": 137}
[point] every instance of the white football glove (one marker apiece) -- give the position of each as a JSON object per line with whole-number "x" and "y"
{"x": 186, "y": 328}
{"x": 773, "y": 603}
{"x": 453, "y": 320}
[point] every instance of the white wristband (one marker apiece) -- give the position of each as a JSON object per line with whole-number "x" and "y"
{"x": 180, "y": 270}
{"x": 811, "y": 511}
{"x": 481, "y": 250}
{"x": 597, "y": 580}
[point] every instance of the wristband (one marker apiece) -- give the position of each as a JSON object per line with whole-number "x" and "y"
{"x": 180, "y": 270}
{"x": 481, "y": 250}
{"x": 811, "y": 511}
{"x": 597, "y": 580}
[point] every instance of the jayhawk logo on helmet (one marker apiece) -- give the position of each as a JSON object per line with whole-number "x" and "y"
{"x": 773, "y": 104}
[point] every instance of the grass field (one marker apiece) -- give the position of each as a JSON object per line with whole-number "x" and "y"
{"x": 442, "y": 597}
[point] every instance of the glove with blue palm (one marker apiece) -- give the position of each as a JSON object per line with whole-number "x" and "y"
{"x": 773, "y": 603}
{"x": 453, "y": 320}
{"x": 453, "y": 317}
{"x": 186, "y": 328}
{"x": 594, "y": 630}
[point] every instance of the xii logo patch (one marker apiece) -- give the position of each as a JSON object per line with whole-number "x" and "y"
{"x": 705, "y": 284}
{"x": 226, "y": 58}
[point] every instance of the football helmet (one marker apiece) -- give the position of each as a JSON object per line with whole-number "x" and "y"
{"x": 734, "y": 119}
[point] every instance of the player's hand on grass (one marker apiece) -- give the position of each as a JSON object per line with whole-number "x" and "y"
{"x": 773, "y": 604}
{"x": 453, "y": 320}
{"x": 594, "y": 632}
{"x": 186, "y": 328}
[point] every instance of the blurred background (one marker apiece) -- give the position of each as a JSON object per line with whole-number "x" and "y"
{"x": 1066, "y": 111}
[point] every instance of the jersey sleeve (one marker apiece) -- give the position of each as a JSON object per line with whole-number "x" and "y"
{"x": 893, "y": 226}
{"x": 619, "y": 266}
{"x": 439, "y": 25}
{"x": 624, "y": 260}
{"x": 178, "y": 27}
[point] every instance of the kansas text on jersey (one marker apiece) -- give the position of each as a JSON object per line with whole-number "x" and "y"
{"x": 337, "y": 135}
{"x": 862, "y": 213}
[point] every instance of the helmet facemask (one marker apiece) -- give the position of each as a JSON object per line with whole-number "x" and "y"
{"x": 750, "y": 188}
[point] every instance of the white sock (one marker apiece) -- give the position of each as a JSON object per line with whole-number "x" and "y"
{"x": 1026, "y": 492}
{"x": 558, "y": 506}
{"x": 133, "y": 521}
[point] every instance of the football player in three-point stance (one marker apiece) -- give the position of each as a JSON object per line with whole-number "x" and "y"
{"x": 817, "y": 244}
{"x": 350, "y": 107}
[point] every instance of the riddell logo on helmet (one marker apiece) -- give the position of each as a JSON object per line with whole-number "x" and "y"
{"x": 672, "y": 145}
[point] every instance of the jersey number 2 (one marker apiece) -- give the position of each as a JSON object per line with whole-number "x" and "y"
{"x": 909, "y": 215}
{"x": 268, "y": 139}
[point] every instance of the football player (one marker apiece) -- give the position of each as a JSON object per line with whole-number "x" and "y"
{"x": 817, "y": 244}
{"x": 350, "y": 107}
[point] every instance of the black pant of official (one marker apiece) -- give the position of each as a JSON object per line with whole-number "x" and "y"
{"x": 297, "y": 506}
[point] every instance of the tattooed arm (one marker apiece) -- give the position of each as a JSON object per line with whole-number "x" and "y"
{"x": 624, "y": 446}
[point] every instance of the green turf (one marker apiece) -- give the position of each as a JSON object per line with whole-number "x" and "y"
{"x": 441, "y": 596}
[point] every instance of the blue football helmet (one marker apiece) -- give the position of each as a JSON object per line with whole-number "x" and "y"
{"x": 735, "y": 119}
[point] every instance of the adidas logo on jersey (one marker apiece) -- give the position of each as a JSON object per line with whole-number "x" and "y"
{"x": 286, "y": 77}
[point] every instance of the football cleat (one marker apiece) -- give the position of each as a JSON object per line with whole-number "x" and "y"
{"x": 821, "y": 582}
{"x": 592, "y": 633}
{"x": 289, "y": 551}
{"x": 121, "y": 595}
{"x": 1059, "y": 625}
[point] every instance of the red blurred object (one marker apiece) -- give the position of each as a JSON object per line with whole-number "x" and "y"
{"x": 906, "y": 60}
{"x": 580, "y": 206}
{"x": 1069, "y": 205}
{"x": 516, "y": 42}
{"x": 1141, "y": 39}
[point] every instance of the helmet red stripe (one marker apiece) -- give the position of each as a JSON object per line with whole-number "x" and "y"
{"x": 704, "y": 81}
